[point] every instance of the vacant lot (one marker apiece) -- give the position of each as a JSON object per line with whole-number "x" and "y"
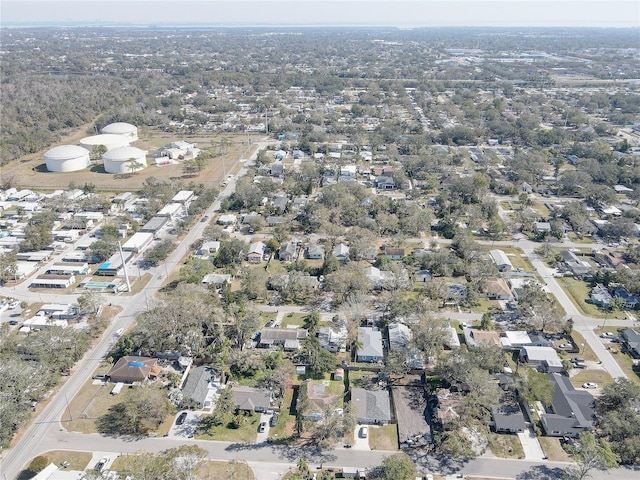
{"x": 31, "y": 172}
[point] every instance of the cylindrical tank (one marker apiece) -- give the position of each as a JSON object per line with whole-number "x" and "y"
{"x": 67, "y": 158}
{"x": 124, "y": 160}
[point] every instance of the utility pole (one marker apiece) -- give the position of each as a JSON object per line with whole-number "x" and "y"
{"x": 124, "y": 267}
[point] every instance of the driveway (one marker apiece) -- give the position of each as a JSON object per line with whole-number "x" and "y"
{"x": 360, "y": 443}
{"x": 188, "y": 428}
{"x": 530, "y": 445}
{"x": 262, "y": 436}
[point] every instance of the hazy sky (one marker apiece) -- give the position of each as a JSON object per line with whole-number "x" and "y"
{"x": 572, "y": 13}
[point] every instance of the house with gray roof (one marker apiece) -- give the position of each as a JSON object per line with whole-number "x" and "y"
{"x": 287, "y": 251}
{"x": 289, "y": 338}
{"x": 632, "y": 341}
{"x": 371, "y": 406}
{"x": 251, "y": 399}
{"x": 600, "y": 296}
{"x": 371, "y": 349}
{"x": 508, "y": 418}
{"x": 202, "y": 384}
{"x": 341, "y": 252}
{"x": 315, "y": 251}
{"x": 572, "y": 411}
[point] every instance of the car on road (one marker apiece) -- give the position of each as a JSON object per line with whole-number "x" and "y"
{"x": 181, "y": 418}
{"x": 590, "y": 385}
{"x": 364, "y": 431}
{"x": 262, "y": 427}
{"x": 102, "y": 464}
{"x": 273, "y": 421}
{"x": 119, "y": 332}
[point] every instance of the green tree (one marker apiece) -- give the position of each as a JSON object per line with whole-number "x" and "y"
{"x": 136, "y": 414}
{"x": 397, "y": 467}
{"x": 590, "y": 455}
{"x": 159, "y": 252}
{"x": 38, "y": 464}
{"x": 8, "y": 266}
{"x": 195, "y": 269}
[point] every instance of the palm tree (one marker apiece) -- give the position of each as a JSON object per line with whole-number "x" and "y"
{"x": 303, "y": 467}
{"x": 134, "y": 165}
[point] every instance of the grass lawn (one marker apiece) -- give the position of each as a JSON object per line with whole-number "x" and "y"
{"x": 484, "y": 305}
{"x": 517, "y": 258}
{"x": 505, "y": 446}
{"x": 139, "y": 284}
{"x": 600, "y": 377}
{"x": 293, "y": 318}
{"x": 210, "y": 470}
{"x": 585, "y": 351}
{"x": 552, "y": 449}
{"x": 93, "y": 401}
{"x": 254, "y": 380}
{"x": 579, "y": 238}
{"x": 626, "y": 364}
{"x": 233, "y": 470}
{"x": 286, "y": 421}
{"x": 579, "y": 291}
{"x": 383, "y": 437}
{"x": 245, "y": 434}
{"x": 77, "y": 460}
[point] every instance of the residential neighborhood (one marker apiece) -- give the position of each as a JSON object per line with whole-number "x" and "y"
{"x": 439, "y": 272}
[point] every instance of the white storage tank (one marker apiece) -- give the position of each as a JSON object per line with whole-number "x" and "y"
{"x": 124, "y": 160}
{"x": 67, "y": 158}
{"x": 121, "y": 128}
{"x": 108, "y": 140}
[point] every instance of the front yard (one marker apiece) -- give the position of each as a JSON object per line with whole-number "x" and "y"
{"x": 94, "y": 400}
{"x": 245, "y": 433}
{"x": 383, "y": 437}
{"x": 505, "y": 446}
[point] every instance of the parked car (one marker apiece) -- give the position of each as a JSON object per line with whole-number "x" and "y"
{"x": 102, "y": 463}
{"x": 181, "y": 418}
{"x": 364, "y": 431}
{"x": 262, "y": 427}
{"x": 565, "y": 345}
{"x": 273, "y": 421}
{"x": 590, "y": 385}
{"x": 577, "y": 360}
{"x": 606, "y": 335}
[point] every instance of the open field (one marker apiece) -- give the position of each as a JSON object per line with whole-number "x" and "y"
{"x": 31, "y": 172}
